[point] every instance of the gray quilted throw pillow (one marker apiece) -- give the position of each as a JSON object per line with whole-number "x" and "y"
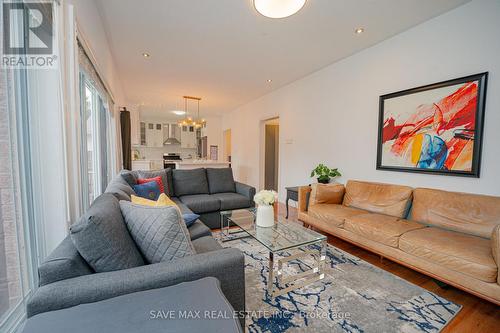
{"x": 159, "y": 232}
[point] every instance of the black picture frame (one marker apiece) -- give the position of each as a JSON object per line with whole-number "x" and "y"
{"x": 482, "y": 79}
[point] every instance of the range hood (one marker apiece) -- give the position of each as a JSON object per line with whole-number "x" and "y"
{"x": 171, "y": 136}
{"x": 172, "y": 141}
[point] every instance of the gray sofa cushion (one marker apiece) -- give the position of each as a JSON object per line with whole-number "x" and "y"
{"x": 159, "y": 232}
{"x": 232, "y": 201}
{"x": 102, "y": 238}
{"x": 141, "y": 312}
{"x": 198, "y": 229}
{"x": 220, "y": 180}
{"x": 119, "y": 187}
{"x": 206, "y": 244}
{"x": 166, "y": 178}
{"x": 201, "y": 203}
{"x": 187, "y": 182}
{"x": 63, "y": 263}
{"x": 184, "y": 209}
{"x": 129, "y": 176}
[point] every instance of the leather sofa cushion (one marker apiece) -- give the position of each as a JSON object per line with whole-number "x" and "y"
{"x": 463, "y": 212}
{"x": 232, "y": 201}
{"x": 378, "y": 198}
{"x": 334, "y": 214}
{"x": 463, "y": 253}
{"x": 187, "y": 182}
{"x": 220, "y": 180}
{"x": 326, "y": 194}
{"x": 495, "y": 248}
{"x": 201, "y": 203}
{"x": 384, "y": 229}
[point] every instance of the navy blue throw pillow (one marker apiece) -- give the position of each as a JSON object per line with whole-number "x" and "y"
{"x": 149, "y": 190}
{"x": 190, "y": 219}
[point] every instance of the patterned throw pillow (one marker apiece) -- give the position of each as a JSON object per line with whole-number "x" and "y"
{"x": 149, "y": 190}
{"x": 159, "y": 232}
{"x": 154, "y": 179}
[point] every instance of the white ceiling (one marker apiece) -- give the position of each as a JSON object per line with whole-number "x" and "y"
{"x": 224, "y": 51}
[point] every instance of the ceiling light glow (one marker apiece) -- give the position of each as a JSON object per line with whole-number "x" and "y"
{"x": 146, "y": 55}
{"x": 278, "y": 8}
{"x": 178, "y": 112}
{"x": 359, "y": 31}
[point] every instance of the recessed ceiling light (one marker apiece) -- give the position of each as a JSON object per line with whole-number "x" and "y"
{"x": 359, "y": 31}
{"x": 146, "y": 55}
{"x": 269, "y": 81}
{"x": 178, "y": 112}
{"x": 278, "y": 8}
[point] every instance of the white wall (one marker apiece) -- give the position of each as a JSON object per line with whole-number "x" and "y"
{"x": 331, "y": 116}
{"x": 91, "y": 27}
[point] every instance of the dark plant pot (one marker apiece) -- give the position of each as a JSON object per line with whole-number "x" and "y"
{"x": 323, "y": 181}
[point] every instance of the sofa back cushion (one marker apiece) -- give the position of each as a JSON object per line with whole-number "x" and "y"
{"x": 120, "y": 188}
{"x": 63, "y": 263}
{"x": 326, "y": 194}
{"x": 166, "y": 178}
{"x": 463, "y": 212}
{"x": 159, "y": 232}
{"x": 102, "y": 239}
{"x": 380, "y": 198}
{"x": 220, "y": 180}
{"x": 187, "y": 182}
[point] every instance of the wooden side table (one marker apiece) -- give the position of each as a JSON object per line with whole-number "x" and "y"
{"x": 292, "y": 193}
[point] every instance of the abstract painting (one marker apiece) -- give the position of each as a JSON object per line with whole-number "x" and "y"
{"x": 436, "y": 128}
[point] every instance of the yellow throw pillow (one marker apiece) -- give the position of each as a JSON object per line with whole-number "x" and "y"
{"x": 163, "y": 200}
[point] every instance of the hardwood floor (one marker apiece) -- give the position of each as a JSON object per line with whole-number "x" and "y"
{"x": 477, "y": 315}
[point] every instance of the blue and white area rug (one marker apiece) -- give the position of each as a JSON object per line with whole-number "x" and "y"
{"x": 354, "y": 296}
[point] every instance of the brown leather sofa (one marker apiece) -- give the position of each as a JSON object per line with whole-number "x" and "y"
{"x": 452, "y": 237}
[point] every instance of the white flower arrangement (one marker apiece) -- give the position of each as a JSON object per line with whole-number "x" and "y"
{"x": 265, "y": 198}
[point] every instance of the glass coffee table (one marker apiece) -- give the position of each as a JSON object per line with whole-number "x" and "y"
{"x": 283, "y": 236}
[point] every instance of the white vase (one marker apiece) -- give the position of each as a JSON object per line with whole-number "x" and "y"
{"x": 265, "y": 216}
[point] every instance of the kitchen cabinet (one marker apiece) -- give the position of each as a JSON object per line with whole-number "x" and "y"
{"x": 154, "y": 135}
{"x": 141, "y": 165}
{"x": 188, "y": 137}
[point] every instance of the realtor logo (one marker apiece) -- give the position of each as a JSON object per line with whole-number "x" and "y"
{"x": 28, "y": 34}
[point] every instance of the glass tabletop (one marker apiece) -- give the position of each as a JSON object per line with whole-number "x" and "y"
{"x": 283, "y": 235}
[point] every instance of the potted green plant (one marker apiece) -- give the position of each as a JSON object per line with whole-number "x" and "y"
{"x": 324, "y": 174}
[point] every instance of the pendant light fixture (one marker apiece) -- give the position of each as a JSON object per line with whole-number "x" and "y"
{"x": 278, "y": 8}
{"x": 196, "y": 122}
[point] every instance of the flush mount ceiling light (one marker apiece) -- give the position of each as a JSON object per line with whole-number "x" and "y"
{"x": 269, "y": 81}
{"x": 278, "y": 8}
{"x": 178, "y": 112}
{"x": 359, "y": 31}
{"x": 146, "y": 55}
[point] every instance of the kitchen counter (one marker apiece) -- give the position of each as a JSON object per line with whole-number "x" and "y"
{"x": 195, "y": 164}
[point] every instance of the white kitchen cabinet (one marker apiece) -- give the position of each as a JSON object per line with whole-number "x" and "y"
{"x": 154, "y": 135}
{"x": 188, "y": 137}
{"x": 141, "y": 165}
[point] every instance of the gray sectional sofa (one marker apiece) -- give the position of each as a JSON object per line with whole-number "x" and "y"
{"x": 202, "y": 191}
{"x": 67, "y": 280}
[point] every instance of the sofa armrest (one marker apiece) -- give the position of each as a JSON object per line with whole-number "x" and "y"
{"x": 304, "y": 193}
{"x": 227, "y": 265}
{"x": 495, "y": 248}
{"x": 246, "y": 190}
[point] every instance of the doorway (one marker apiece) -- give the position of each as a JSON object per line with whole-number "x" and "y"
{"x": 271, "y": 154}
{"x": 227, "y": 145}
